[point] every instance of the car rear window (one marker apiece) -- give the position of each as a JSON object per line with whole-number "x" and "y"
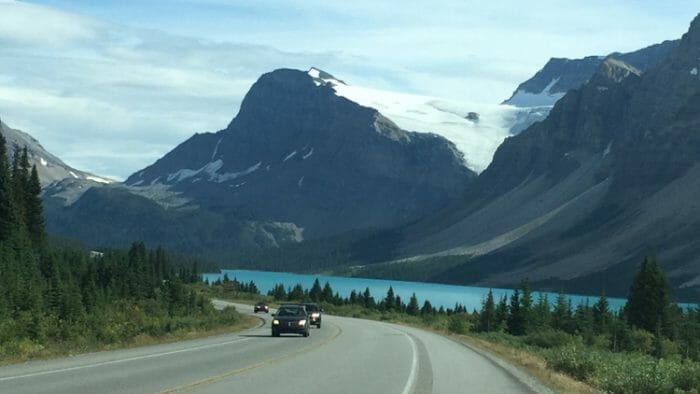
{"x": 289, "y": 311}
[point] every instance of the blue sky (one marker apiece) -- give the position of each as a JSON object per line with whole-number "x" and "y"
{"x": 110, "y": 86}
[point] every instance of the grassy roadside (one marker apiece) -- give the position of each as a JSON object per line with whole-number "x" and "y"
{"x": 225, "y": 322}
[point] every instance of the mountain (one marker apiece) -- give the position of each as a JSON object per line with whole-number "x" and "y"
{"x": 577, "y": 200}
{"x": 560, "y": 75}
{"x": 476, "y": 129}
{"x": 298, "y": 152}
{"x": 49, "y": 167}
{"x": 298, "y": 161}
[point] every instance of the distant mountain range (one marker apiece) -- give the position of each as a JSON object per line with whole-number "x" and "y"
{"x": 560, "y": 75}
{"x": 577, "y": 200}
{"x": 590, "y": 165}
{"x": 49, "y": 167}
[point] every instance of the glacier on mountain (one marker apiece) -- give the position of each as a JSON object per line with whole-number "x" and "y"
{"x": 478, "y": 141}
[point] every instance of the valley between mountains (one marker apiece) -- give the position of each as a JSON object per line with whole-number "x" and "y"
{"x": 589, "y": 166}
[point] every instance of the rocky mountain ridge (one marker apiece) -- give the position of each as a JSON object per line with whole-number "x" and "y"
{"x": 580, "y": 198}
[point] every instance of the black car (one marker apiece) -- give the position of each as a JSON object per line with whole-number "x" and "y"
{"x": 314, "y": 312}
{"x": 290, "y": 319}
{"x": 261, "y": 307}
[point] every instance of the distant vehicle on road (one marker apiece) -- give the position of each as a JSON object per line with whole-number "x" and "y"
{"x": 314, "y": 311}
{"x": 290, "y": 319}
{"x": 261, "y": 307}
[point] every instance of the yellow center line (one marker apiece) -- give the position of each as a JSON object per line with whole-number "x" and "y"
{"x": 239, "y": 371}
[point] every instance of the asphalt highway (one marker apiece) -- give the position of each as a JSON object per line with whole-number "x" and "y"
{"x": 344, "y": 356}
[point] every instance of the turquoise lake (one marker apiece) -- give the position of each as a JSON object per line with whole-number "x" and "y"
{"x": 438, "y": 294}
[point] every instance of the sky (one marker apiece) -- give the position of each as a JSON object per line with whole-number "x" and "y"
{"x": 111, "y": 86}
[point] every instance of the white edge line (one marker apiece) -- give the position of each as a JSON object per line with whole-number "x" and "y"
{"x": 411, "y": 382}
{"x": 111, "y": 362}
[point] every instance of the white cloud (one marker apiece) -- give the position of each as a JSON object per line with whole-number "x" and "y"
{"x": 110, "y": 87}
{"x": 28, "y": 24}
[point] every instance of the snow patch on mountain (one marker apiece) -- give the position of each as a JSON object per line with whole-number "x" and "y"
{"x": 307, "y": 155}
{"x": 522, "y": 98}
{"x": 98, "y": 179}
{"x": 216, "y": 149}
{"x": 210, "y": 171}
{"x": 452, "y": 120}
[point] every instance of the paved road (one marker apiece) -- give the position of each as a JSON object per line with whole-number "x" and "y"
{"x": 344, "y": 356}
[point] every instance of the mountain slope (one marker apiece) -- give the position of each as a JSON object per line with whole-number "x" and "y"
{"x": 560, "y": 75}
{"x": 298, "y": 152}
{"x": 49, "y": 167}
{"x": 609, "y": 176}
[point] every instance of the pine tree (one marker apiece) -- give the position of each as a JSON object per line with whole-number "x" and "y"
{"x": 367, "y": 299}
{"x": 327, "y": 293}
{"x": 296, "y": 293}
{"x": 602, "y": 316}
{"x": 561, "y": 316}
{"x": 427, "y": 308}
{"x": 515, "y": 324}
{"x": 501, "y": 313}
{"x": 412, "y": 308}
{"x": 34, "y": 211}
{"x": 526, "y": 306}
{"x": 316, "y": 291}
{"x": 541, "y": 314}
{"x": 389, "y": 302}
{"x": 487, "y": 316}
{"x": 8, "y": 221}
{"x": 648, "y": 301}
{"x": 20, "y": 181}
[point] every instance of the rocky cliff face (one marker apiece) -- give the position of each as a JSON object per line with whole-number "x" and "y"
{"x": 297, "y": 152}
{"x": 560, "y": 75}
{"x": 578, "y": 199}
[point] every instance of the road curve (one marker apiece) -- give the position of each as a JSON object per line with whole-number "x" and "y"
{"x": 345, "y": 356}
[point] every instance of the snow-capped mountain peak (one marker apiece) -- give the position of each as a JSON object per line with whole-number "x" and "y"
{"x": 476, "y": 129}
{"x": 321, "y": 77}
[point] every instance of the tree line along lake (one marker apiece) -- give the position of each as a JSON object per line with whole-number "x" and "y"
{"x": 439, "y": 295}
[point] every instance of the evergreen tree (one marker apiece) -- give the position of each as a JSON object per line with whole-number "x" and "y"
{"x": 540, "y": 317}
{"x": 34, "y": 211}
{"x": 367, "y": 299}
{"x": 316, "y": 291}
{"x": 412, "y": 308}
{"x": 648, "y": 301}
{"x": 501, "y": 313}
{"x": 427, "y": 308}
{"x": 583, "y": 318}
{"x": 526, "y": 305}
{"x": 353, "y": 299}
{"x": 515, "y": 324}
{"x": 8, "y": 220}
{"x": 20, "y": 182}
{"x": 327, "y": 293}
{"x": 602, "y": 316}
{"x": 389, "y": 301}
{"x": 296, "y": 293}
{"x": 277, "y": 292}
{"x": 487, "y": 316}
{"x": 561, "y": 316}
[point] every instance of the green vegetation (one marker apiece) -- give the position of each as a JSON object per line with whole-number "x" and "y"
{"x": 651, "y": 346}
{"x": 57, "y": 300}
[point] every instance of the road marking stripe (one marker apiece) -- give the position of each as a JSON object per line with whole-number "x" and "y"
{"x": 239, "y": 371}
{"x": 411, "y": 382}
{"x": 124, "y": 360}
